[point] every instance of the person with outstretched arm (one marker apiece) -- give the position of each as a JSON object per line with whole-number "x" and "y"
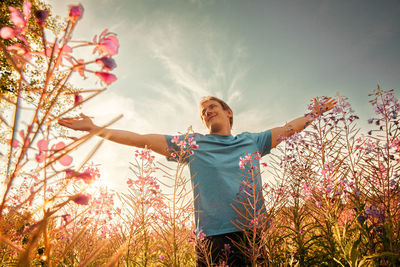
{"x": 215, "y": 163}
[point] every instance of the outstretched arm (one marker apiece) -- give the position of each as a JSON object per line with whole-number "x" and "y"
{"x": 299, "y": 124}
{"x": 155, "y": 142}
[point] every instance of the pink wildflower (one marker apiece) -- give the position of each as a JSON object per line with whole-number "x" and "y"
{"x": 43, "y": 149}
{"x": 107, "y": 44}
{"x": 107, "y": 63}
{"x": 20, "y": 50}
{"x": 64, "y": 160}
{"x": 175, "y": 139}
{"x": 16, "y": 17}
{"x": 40, "y": 157}
{"x": 130, "y": 182}
{"x": 77, "y": 99}
{"x": 7, "y": 33}
{"x": 42, "y": 144}
{"x": 75, "y": 12}
{"x": 14, "y": 144}
{"x": 87, "y": 176}
{"x": 64, "y": 53}
{"x": 66, "y": 218}
{"x": 82, "y": 199}
{"x": 80, "y": 67}
{"x": 106, "y": 77}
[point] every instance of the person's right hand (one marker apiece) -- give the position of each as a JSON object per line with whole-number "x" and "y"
{"x": 80, "y": 123}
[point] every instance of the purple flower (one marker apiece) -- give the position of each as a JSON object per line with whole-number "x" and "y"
{"x": 41, "y": 16}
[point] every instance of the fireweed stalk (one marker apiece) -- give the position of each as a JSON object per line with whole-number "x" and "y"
{"x": 43, "y": 73}
{"x": 176, "y": 229}
{"x": 255, "y": 206}
{"x": 338, "y": 190}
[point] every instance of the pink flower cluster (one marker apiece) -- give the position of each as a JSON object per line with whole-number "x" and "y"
{"x": 81, "y": 199}
{"x": 44, "y": 152}
{"x": 248, "y": 158}
{"x": 106, "y": 45}
{"x": 185, "y": 145}
{"x": 88, "y": 176}
{"x": 144, "y": 154}
{"x": 20, "y": 22}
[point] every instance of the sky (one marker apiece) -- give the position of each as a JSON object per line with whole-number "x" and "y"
{"x": 267, "y": 59}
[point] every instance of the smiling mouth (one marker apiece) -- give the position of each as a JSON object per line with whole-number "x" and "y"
{"x": 211, "y": 117}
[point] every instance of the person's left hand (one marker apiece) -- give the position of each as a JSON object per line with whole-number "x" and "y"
{"x": 320, "y": 107}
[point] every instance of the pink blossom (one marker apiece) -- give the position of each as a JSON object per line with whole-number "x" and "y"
{"x": 75, "y": 12}
{"x": 16, "y": 17}
{"x": 7, "y": 33}
{"x": 63, "y": 53}
{"x": 306, "y": 192}
{"x": 80, "y": 67}
{"x": 130, "y": 182}
{"x": 66, "y": 218}
{"x": 87, "y": 176}
{"x": 43, "y": 149}
{"x": 81, "y": 199}
{"x": 26, "y": 9}
{"x": 175, "y": 139}
{"x": 42, "y": 145}
{"x": 243, "y": 161}
{"x": 77, "y": 99}
{"x": 107, "y": 44}
{"x": 40, "y": 157}
{"x": 144, "y": 155}
{"x": 20, "y": 50}
{"x": 201, "y": 236}
{"x": 107, "y": 63}
{"x": 106, "y": 77}
{"x": 69, "y": 173}
{"x": 14, "y": 144}
{"x": 19, "y": 21}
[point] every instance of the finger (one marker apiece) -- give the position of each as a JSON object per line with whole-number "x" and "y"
{"x": 83, "y": 116}
{"x": 65, "y": 121}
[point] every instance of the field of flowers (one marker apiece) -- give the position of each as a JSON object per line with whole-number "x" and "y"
{"x": 331, "y": 194}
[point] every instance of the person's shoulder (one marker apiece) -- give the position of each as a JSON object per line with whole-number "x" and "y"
{"x": 251, "y": 134}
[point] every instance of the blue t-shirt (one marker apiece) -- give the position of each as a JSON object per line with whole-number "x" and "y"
{"x": 214, "y": 166}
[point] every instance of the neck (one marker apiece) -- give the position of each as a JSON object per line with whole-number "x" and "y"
{"x": 221, "y": 132}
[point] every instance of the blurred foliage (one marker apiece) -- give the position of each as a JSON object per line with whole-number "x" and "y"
{"x": 8, "y": 80}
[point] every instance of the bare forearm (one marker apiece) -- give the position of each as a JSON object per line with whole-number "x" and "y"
{"x": 119, "y": 136}
{"x": 155, "y": 142}
{"x": 290, "y": 128}
{"x": 297, "y": 125}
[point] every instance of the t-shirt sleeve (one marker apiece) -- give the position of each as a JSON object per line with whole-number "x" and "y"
{"x": 263, "y": 141}
{"x": 172, "y": 146}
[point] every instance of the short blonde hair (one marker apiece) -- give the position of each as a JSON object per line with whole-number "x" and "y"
{"x": 224, "y": 105}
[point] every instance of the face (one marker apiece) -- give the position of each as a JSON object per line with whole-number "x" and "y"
{"x": 214, "y": 117}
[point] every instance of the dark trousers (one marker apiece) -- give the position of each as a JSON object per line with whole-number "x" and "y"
{"x": 222, "y": 249}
